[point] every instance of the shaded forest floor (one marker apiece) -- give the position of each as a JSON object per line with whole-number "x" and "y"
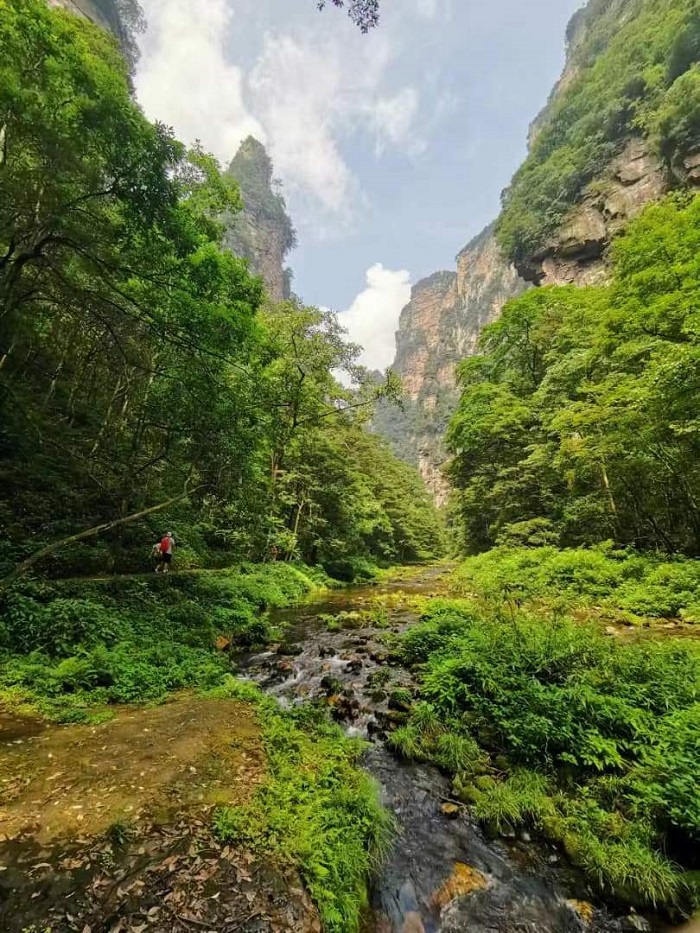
{"x": 108, "y": 827}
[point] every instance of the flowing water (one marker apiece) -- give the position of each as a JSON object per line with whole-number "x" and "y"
{"x": 443, "y": 874}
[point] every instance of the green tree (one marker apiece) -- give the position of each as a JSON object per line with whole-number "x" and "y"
{"x": 581, "y": 411}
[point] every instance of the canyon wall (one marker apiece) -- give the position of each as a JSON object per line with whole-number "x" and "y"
{"x": 621, "y": 129}
{"x": 439, "y": 327}
{"x": 102, "y": 12}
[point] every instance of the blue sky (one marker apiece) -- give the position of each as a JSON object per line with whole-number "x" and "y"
{"x": 393, "y": 148}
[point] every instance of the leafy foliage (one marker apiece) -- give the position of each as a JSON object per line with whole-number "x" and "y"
{"x": 634, "y": 586}
{"x": 69, "y": 647}
{"x": 576, "y": 423}
{"x": 316, "y": 809}
{"x": 591, "y": 741}
{"x": 364, "y": 13}
{"x": 135, "y": 360}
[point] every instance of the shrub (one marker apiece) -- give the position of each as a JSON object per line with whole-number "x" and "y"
{"x": 594, "y": 741}
{"x": 316, "y": 809}
{"x": 622, "y": 580}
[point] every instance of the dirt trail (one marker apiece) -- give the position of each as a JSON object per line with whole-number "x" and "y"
{"x": 81, "y": 779}
{"x": 106, "y": 828}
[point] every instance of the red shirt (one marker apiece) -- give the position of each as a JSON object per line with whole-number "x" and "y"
{"x": 166, "y": 545}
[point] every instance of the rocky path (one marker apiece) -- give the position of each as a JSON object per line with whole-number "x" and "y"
{"x": 107, "y": 828}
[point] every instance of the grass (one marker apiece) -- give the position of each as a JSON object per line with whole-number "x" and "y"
{"x": 71, "y": 649}
{"x": 316, "y": 809}
{"x": 547, "y": 723}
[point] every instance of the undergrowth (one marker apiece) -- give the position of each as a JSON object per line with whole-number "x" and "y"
{"x": 316, "y": 809}
{"x": 623, "y": 584}
{"x": 550, "y": 724}
{"x": 70, "y": 648}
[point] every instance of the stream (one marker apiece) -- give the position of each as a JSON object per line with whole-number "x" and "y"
{"x": 443, "y": 874}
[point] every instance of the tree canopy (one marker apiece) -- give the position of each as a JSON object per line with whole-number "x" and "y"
{"x": 135, "y": 360}
{"x": 364, "y": 13}
{"x": 577, "y": 421}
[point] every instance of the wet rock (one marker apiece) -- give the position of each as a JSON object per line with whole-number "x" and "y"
{"x": 373, "y": 727}
{"x": 401, "y": 700}
{"x": 464, "y": 880}
{"x": 285, "y": 667}
{"x": 583, "y": 910}
{"x": 291, "y": 651}
{"x": 379, "y": 657}
{"x": 525, "y": 836}
{"x": 452, "y": 810}
{"x": 392, "y": 718}
{"x": 331, "y": 685}
{"x": 355, "y": 665}
{"x": 325, "y": 651}
{"x": 346, "y": 707}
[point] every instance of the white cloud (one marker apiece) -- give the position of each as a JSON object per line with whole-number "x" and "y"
{"x": 297, "y": 89}
{"x": 392, "y": 119}
{"x": 373, "y": 317}
{"x": 309, "y": 95}
{"x": 185, "y": 80}
{"x": 427, "y": 9}
{"x": 303, "y": 96}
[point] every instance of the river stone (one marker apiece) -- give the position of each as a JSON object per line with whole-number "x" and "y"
{"x": 635, "y": 922}
{"x": 464, "y": 880}
{"x": 583, "y": 910}
{"x": 451, "y": 810}
{"x": 291, "y": 651}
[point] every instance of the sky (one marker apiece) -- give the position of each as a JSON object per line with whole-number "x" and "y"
{"x": 392, "y": 148}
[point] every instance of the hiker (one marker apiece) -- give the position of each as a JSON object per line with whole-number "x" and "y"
{"x": 165, "y": 549}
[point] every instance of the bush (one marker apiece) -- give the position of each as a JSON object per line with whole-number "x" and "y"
{"x": 73, "y": 645}
{"x": 646, "y": 586}
{"x": 351, "y": 570}
{"x": 550, "y": 723}
{"x": 316, "y": 809}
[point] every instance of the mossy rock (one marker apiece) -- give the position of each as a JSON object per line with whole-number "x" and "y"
{"x": 401, "y": 700}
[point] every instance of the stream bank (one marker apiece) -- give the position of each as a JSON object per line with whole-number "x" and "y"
{"x": 443, "y": 874}
{"x": 110, "y": 824}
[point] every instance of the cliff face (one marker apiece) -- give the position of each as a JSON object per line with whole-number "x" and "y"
{"x": 438, "y": 328}
{"x": 103, "y": 13}
{"x": 576, "y": 254}
{"x": 620, "y": 130}
{"x": 262, "y": 232}
{"x": 123, "y": 18}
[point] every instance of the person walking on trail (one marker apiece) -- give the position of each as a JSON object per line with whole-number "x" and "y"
{"x": 165, "y": 547}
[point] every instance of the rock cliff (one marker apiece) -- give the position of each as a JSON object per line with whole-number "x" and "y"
{"x": 576, "y": 254}
{"x": 262, "y": 232}
{"x": 102, "y": 12}
{"x": 438, "y": 328}
{"x": 624, "y": 92}
{"x": 123, "y": 18}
